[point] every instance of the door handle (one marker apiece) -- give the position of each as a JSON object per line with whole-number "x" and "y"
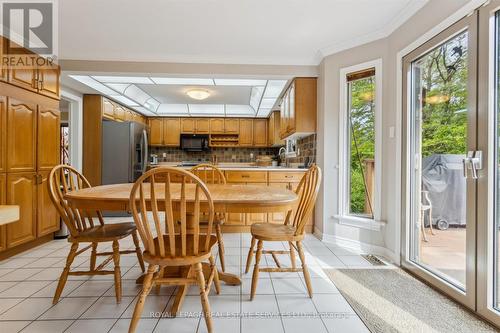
{"x": 474, "y": 162}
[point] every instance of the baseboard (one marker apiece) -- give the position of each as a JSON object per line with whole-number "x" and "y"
{"x": 358, "y": 246}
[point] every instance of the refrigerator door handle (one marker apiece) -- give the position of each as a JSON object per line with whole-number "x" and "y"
{"x": 145, "y": 151}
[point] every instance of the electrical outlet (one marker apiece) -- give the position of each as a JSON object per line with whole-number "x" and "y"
{"x": 164, "y": 154}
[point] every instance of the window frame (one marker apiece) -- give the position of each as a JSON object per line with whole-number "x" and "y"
{"x": 344, "y": 216}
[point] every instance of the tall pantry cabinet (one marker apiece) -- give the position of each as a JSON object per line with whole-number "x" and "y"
{"x": 29, "y": 149}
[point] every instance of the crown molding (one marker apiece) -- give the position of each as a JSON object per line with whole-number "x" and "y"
{"x": 408, "y": 11}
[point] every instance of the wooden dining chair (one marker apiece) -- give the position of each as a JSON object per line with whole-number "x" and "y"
{"x": 87, "y": 226}
{"x": 291, "y": 231}
{"x": 210, "y": 174}
{"x": 168, "y": 243}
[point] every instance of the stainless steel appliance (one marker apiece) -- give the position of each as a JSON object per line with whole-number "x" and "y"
{"x": 124, "y": 152}
{"x": 194, "y": 142}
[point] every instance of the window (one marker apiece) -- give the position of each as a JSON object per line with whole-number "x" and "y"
{"x": 359, "y": 142}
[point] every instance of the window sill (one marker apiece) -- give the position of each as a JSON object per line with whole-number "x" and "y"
{"x": 359, "y": 222}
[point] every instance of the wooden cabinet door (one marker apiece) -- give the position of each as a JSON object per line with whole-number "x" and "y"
{"x": 3, "y": 133}
{"x": 202, "y": 126}
{"x": 187, "y": 125}
{"x": 172, "y": 132}
{"x": 49, "y": 81}
{"x": 217, "y": 125}
{"x": 21, "y": 191}
{"x": 3, "y": 201}
{"x": 108, "y": 109}
{"x": 236, "y": 218}
{"x": 21, "y": 136}
{"x": 246, "y": 132}
{"x": 231, "y": 126}
{"x": 48, "y": 143}
{"x": 260, "y": 132}
{"x": 156, "y": 132}
{"x": 47, "y": 217}
{"x": 3, "y": 69}
{"x": 291, "y": 110}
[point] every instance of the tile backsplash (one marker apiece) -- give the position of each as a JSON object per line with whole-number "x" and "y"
{"x": 306, "y": 146}
{"x": 224, "y": 155}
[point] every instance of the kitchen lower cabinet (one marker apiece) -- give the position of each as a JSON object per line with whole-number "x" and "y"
{"x": 278, "y": 217}
{"x": 22, "y": 191}
{"x": 3, "y": 201}
{"x": 256, "y": 217}
{"x": 47, "y": 217}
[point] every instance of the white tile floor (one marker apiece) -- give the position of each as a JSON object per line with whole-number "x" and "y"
{"x": 28, "y": 281}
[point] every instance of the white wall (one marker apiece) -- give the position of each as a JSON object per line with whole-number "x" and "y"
{"x": 386, "y": 240}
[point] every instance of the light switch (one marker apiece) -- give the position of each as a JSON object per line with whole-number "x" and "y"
{"x": 391, "y": 132}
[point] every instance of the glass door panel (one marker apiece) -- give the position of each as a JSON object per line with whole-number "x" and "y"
{"x": 439, "y": 145}
{"x": 440, "y": 131}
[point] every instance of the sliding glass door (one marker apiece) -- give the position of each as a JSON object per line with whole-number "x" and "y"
{"x": 488, "y": 199}
{"x": 440, "y": 182}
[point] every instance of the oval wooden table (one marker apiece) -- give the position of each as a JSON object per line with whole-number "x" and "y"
{"x": 227, "y": 198}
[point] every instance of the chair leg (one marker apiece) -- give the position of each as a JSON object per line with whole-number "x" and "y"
{"x": 292, "y": 255}
{"x": 422, "y": 226}
{"x": 220, "y": 242}
{"x": 250, "y": 255}
{"x": 138, "y": 251}
{"x": 139, "y": 306}
{"x": 65, "y": 272}
{"x": 118, "y": 276}
{"x": 216, "y": 274}
{"x": 93, "y": 256}
{"x": 161, "y": 271}
{"x": 430, "y": 222}
{"x": 255, "y": 275}
{"x": 204, "y": 297}
{"x": 307, "y": 277}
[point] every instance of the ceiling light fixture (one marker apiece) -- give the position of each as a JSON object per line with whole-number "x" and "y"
{"x": 198, "y": 94}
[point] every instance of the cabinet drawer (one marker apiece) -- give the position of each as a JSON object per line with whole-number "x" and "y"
{"x": 285, "y": 177}
{"x": 246, "y": 176}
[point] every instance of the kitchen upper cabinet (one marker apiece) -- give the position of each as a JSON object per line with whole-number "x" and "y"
{"x": 49, "y": 81}
{"x": 202, "y": 126}
{"x": 48, "y": 154}
{"x": 231, "y": 126}
{"x": 246, "y": 132}
{"x": 3, "y": 201}
{"x": 156, "y": 131}
{"x": 108, "y": 109}
{"x": 21, "y": 191}
{"x": 188, "y": 125}
{"x": 3, "y": 69}
{"x": 172, "y": 132}
{"x": 3, "y": 133}
{"x": 119, "y": 113}
{"x": 21, "y": 136}
{"x": 299, "y": 108}
{"x": 273, "y": 130}
{"x": 260, "y": 132}
{"x": 217, "y": 126}
{"x": 47, "y": 217}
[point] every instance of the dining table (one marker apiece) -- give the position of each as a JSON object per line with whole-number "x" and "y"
{"x": 226, "y": 198}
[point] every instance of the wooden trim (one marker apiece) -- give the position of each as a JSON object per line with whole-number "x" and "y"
{"x": 26, "y": 246}
{"x": 363, "y": 74}
{"x": 27, "y": 96}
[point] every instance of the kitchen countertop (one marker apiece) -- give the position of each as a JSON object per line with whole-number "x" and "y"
{"x": 236, "y": 167}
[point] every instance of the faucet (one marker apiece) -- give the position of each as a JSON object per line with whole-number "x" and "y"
{"x": 282, "y": 155}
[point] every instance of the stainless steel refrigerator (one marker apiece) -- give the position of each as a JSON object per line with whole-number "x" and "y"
{"x": 124, "y": 152}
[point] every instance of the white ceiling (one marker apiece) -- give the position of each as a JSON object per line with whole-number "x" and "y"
{"x": 292, "y": 32}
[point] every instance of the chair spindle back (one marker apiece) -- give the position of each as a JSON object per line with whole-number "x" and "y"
{"x": 63, "y": 179}
{"x": 209, "y": 174}
{"x": 154, "y": 192}
{"x": 308, "y": 192}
